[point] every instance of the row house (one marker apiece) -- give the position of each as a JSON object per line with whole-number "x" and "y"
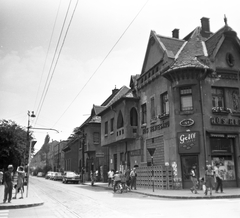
{"x": 85, "y": 154}
{"x": 184, "y": 106}
{"x": 58, "y": 155}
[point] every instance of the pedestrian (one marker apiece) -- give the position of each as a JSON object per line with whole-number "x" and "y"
{"x": 8, "y": 185}
{"x": 110, "y": 178}
{"x": 133, "y": 176}
{"x": 117, "y": 179}
{"x": 193, "y": 176}
{"x": 128, "y": 178}
{"x": 219, "y": 178}
{"x": 20, "y": 182}
{"x": 209, "y": 178}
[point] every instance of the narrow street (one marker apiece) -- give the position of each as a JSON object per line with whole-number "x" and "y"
{"x": 73, "y": 201}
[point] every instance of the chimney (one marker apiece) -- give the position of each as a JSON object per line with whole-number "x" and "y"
{"x": 205, "y": 24}
{"x": 114, "y": 91}
{"x": 175, "y": 33}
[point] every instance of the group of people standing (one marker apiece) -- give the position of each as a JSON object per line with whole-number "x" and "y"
{"x": 212, "y": 175}
{"x": 8, "y": 183}
{"x": 129, "y": 177}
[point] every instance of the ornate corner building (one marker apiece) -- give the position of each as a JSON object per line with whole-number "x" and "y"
{"x": 184, "y": 105}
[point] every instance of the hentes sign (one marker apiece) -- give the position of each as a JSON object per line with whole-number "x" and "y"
{"x": 186, "y": 122}
{"x": 155, "y": 127}
{"x": 224, "y": 121}
{"x": 188, "y": 142}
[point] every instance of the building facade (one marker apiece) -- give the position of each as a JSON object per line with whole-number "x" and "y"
{"x": 184, "y": 106}
{"x": 189, "y": 102}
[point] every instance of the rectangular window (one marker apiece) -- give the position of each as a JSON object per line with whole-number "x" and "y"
{"x": 217, "y": 97}
{"x": 106, "y": 128}
{"x": 96, "y": 137}
{"x": 165, "y": 103}
{"x": 186, "y": 99}
{"x": 112, "y": 122}
{"x": 144, "y": 113}
{"x": 153, "y": 115}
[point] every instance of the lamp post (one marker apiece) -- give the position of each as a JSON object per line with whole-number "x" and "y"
{"x": 30, "y": 143}
{"x": 30, "y": 115}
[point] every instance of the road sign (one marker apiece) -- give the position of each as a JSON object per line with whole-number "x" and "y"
{"x": 151, "y": 151}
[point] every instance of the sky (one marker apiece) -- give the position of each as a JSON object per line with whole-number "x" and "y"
{"x": 102, "y": 44}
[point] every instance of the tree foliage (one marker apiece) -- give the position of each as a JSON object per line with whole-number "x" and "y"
{"x": 13, "y": 144}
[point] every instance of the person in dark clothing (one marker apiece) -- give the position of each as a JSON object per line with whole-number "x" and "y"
{"x": 193, "y": 176}
{"x": 8, "y": 185}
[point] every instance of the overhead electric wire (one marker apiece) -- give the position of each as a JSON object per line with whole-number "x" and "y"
{"x": 50, "y": 42}
{"x": 102, "y": 62}
{"x": 59, "y": 51}
{"x": 47, "y": 83}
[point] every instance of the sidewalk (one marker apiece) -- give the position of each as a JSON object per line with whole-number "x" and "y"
{"x": 180, "y": 194}
{"x": 34, "y": 200}
{"x": 31, "y": 201}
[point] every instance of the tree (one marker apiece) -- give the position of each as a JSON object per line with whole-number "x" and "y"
{"x": 13, "y": 141}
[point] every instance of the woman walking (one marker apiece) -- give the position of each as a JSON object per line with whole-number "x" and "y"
{"x": 20, "y": 182}
{"x": 209, "y": 178}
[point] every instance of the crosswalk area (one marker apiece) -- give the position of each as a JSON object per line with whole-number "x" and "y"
{"x": 4, "y": 213}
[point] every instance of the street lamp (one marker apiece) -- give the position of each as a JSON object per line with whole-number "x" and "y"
{"x": 30, "y": 143}
{"x": 30, "y": 115}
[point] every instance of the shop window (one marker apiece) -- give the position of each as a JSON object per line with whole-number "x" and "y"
{"x": 120, "y": 120}
{"x": 153, "y": 113}
{"x": 133, "y": 117}
{"x": 111, "y": 125}
{"x": 186, "y": 99}
{"x": 222, "y": 153}
{"x": 106, "y": 128}
{"x": 96, "y": 137}
{"x": 164, "y": 103}
{"x": 217, "y": 97}
{"x": 144, "y": 113}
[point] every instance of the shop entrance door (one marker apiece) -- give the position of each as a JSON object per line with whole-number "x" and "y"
{"x": 187, "y": 162}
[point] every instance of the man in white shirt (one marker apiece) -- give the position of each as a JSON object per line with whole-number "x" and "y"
{"x": 110, "y": 177}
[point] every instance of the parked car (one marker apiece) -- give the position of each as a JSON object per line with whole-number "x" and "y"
{"x": 40, "y": 174}
{"x": 48, "y": 175}
{"x": 70, "y": 177}
{"x": 1, "y": 177}
{"x": 25, "y": 181}
{"x": 57, "y": 176}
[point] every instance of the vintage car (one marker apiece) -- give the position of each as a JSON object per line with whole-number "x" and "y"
{"x": 49, "y": 175}
{"x": 70, "y": 177}
{"x": 57, "y": 176}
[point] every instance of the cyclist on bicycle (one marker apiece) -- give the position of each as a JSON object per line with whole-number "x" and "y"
{"x": 117, "y": 179}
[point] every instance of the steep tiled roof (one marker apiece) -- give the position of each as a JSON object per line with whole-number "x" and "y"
{"x": 212, "y": 41}
{"x": 121, "y": 92}
{"x": 171, "y": 44}
{"x": 192, "y": 49}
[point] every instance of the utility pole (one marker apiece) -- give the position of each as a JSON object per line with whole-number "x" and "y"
{"x": 83, "y": 143}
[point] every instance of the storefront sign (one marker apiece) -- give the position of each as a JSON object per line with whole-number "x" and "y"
{"x": 135, "y": 153}
{"x": 155, "y": 127}
{"x": 224, "y": 121}
{"x": 188, "y": 142}
{"x": 99, "y": 154}
{"x": 186, "y": 122}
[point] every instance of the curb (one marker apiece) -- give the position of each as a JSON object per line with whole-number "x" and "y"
{"x": 181, "y": 197}
{"x": 9, "y": 206}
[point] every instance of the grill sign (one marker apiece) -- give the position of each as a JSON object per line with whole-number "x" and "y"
{"x": 188, "y": 142}
{"x": 187, "y": 122}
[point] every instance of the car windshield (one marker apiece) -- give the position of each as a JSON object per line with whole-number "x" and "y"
{"x": 71, "y": 174}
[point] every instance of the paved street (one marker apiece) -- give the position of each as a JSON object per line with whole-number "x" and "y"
{"x": 72, "y": 201}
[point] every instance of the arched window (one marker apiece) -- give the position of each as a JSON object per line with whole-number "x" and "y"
{"x": 133, "y": 117}
{"x": 120, "y": 120}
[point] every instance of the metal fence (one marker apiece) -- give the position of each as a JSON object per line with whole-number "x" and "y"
{"x": 163, "y": 177}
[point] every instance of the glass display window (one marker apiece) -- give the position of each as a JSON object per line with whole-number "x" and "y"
{"x": 227, "y": 168}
